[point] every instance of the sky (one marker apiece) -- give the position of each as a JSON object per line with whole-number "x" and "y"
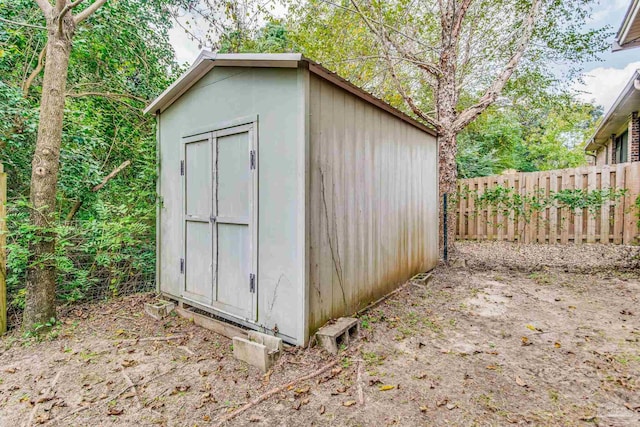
{"x": 603, "y": 80}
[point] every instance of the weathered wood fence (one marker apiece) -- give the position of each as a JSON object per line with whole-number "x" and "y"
{"x": 616, "y": 221}
{"x": 3, "y": 251}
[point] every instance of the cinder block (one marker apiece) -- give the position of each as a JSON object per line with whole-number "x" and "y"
{"x": 259, "y": 350}
{"x": 159, "y": 310}
{"x": 339, "y": 334}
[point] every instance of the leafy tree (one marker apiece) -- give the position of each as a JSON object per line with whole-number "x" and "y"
{"x": 530, "y": 136}
{"x": 119, "y": 60}
{"x": 449, "y": 60}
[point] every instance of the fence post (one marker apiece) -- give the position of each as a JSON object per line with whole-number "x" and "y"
{"x": 3, "y": 251}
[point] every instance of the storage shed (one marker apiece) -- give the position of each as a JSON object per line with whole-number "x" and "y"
{"x": 288, "y": 196}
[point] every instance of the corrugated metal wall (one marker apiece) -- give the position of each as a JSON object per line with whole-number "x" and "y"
{"x": 373, "y": 202}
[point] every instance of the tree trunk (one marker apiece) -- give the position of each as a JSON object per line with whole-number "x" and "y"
{"x": 448, "y": 183}
{"x": 41, "y": 275}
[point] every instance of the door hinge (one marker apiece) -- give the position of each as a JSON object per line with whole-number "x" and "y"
{"x": 181, "y": 167}
{"x": 181, "y": 265}
{"x": 252, "y": 159}
{"x": 252, "y": 283}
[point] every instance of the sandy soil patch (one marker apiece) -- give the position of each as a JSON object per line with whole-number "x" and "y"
{"x": 532, "y": 335}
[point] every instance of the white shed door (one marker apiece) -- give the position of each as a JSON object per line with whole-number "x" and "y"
{"x": 198, "y": 262}
{"x": 228, "y": 261}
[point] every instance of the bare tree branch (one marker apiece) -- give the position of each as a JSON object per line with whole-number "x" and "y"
{"x": 104, "y": 95}
{"x": 76, "y": 207}
{"x": 468, "y": 115}
{"x": 68, "y": 7}
{"x": 22, "y": 24}
{"x": 457, "y": 24}
{"x": 45, "y": 6}
{"x": 34, "y": 73}
{"x": 64, "y": 11}
{"x": 388, "y": 27}
{"x": 89, "y": 11}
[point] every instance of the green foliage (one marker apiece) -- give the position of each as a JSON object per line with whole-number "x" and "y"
{"x": 272, "y": 38}
{"x": 528, "y": 136}
{"x": 121, "y": 58}
{"x": 509, "y": 202}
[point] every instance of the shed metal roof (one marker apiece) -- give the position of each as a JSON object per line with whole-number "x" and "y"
{"x": 207, "y": 60}
{"x": 628, "y": 101}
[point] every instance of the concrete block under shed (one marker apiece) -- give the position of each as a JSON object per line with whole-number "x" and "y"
{"x": 341, "y": 333}
{"x": 259, "y": 350}
{"x": 159, "y": 310}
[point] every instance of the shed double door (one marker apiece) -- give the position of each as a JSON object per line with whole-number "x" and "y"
{"x": 219, "y": 172}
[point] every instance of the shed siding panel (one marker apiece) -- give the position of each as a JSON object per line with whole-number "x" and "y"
{"x": 225, "y": 94}
{"x": 374, "y": 201}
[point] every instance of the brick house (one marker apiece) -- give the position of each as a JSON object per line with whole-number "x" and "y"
{"x": 617, "y": 139}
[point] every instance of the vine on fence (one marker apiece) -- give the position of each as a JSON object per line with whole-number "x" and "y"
{"x": 510, "y": 203}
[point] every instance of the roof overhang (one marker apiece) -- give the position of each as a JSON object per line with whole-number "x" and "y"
{"x": 628, "y": 101}
{"x": 207, "y": 60}
{"x": 629, "y": 33}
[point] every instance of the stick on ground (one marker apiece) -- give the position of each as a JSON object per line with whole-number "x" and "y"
{"x": 274, "y": 391}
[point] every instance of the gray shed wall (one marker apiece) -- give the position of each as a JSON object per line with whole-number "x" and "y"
{"x": 373, "y": 202}
{"x": 276, "y": 96}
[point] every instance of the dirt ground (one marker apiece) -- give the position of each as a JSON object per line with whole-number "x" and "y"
{"x": 524, "y": 335}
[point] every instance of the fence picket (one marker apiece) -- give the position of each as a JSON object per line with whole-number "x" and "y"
{"x": 618, "y": 220}
{"x": 632, "y": 178}
{"x": 592, "y": 178}
{"x": 605, "y": 182}
{"x": 553, "y": 210}
{"x": 3, "y": 249}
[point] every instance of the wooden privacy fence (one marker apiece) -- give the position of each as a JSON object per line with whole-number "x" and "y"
{"x": 3, "y": 251}
{"x": 614, "y": 220}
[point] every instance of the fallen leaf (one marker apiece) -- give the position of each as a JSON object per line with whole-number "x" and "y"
{"x": 451, "y": 406}
{"x": 572, "y": 307}
{"x": 424, "y": 408}
{"x": 254, "y": 419}
{"x": 180, "y": 389}
{"x": 421, "y": 376}
{"x": 206, "y": 418}
{"x": 374, "y": 381}
{"x": 120, "y": 332}
{"x": 525, "y": 341}
{"x": 492, "y": 367}
{"x": 115, "y": 411}
{"x": 305, "y": 401}
{"x": 349, "y": 403}
{"x": 302, "y": 390}
{"x": 10, "y": 370}
{"x": 267, "y": 377}
{"x": 297, "y": 405}
{"x": 557, "y": 345}
{"x": 442, "y": 402}
{"x": 520, "y": 382}
{"x": 43, "y": 418}
{"x": 322, "y": 409}
{"x": 386, "y": 387}
{"x": 127, "y": 363}
{"x": 533, "y": 328}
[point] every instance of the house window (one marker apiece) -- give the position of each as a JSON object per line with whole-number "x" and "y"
{"x": 621, "y": 148}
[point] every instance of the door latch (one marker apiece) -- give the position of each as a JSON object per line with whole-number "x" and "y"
{"x": 252, "y": 283}
{"x": 213, "y": 219}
